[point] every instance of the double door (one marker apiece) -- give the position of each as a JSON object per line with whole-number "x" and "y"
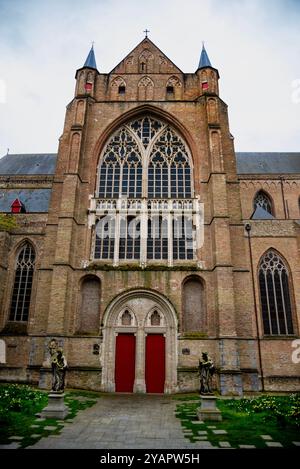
{"x": 125, "y": 363}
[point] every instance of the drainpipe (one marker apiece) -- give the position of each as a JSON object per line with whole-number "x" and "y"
{"x": 282, "y": 193}
{"x": 248, "y": 229}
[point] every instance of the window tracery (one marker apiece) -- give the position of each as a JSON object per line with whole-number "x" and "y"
{"x": 275, "y": 295}
{"x": 20, "y": 303}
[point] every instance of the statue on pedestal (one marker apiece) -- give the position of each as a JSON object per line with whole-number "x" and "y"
{"x": 58, "y": 365}
{"x": 206, "y": 371}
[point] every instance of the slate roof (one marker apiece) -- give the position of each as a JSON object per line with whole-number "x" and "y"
{"x": 28, "y": 164}
{"x": 90, "y": 60}
{"x": 35, "y": 200}
{"x": 268, "y": 163}
{"x": 247, "y": 163}
{"x": 204, "y": 59}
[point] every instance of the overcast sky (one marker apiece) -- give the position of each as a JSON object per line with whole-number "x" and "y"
{"x": 255, "y": 44}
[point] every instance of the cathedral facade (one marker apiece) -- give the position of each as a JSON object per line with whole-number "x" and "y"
{"x": 147, "y": 241}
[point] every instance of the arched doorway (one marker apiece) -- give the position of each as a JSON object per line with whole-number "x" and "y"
{"x": 139, "y": 344}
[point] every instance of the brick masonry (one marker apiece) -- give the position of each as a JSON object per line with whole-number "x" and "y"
{"x": 69, "y": 300}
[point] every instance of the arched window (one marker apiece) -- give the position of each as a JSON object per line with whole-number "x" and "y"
{"x": 194, "y": 309}
{"x": 169, "y": 173}
{"x": 263, "y": 200}
{"x": 144, "y": 158}
{"x": 275, "y": 295}
{"x": 19, "y": 308}
{"x": 121, "y": 167}
{"x": 89, "y": 320}
{"x": 150, "y": 144}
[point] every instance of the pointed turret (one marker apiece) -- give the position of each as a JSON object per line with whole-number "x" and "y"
{"x": 86, "y": 75}
{"x": 208, "y": 75}
{"x": 204, "y": 61}
{"x": 90, "y": 60}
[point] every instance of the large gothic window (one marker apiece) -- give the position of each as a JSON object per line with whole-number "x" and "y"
{"x": 263, "y": 200}
{"x": 20, "y": 303}
{"x": 275, "y": 295}
{"x": 144, "y": 160}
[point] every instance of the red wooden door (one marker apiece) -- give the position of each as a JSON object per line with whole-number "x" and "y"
{"x": 155, "y": 363}
{"x": 125, "y": 362}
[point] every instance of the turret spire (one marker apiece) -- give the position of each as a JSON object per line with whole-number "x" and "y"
{"x": 90, "y": 60}
{"x": 204, "y": 60}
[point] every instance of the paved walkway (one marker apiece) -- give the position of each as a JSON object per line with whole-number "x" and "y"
{"x": 124, "y": 421}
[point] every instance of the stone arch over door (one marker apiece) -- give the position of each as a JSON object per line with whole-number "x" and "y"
{"x": 141, "y": 303}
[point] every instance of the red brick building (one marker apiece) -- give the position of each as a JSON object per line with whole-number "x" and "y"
{"x": 108, "y": 258}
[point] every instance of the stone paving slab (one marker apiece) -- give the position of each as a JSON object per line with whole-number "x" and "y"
{"x": 247, "y": 446}
{"x": 125, "y": 421}
{"x": 266, "y": 437}
{"x": 219, "y": 432}
{"x": 16, "y": 438}
{"x": 273, "y": 444}
{"x": 10, "y": 446}
{"x": 224, "y": 444}
{"x": 296, "y": 443}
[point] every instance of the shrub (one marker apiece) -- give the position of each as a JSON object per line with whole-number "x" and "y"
{"x": 17, "y": 398}
{"x": 285, "y": 409}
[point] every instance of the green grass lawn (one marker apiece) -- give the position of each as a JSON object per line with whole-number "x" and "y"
{"x": 244, "y": 421}
{"x": 19, "y": 405}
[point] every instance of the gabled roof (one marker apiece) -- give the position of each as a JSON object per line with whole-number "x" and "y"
{"x": 42, "y": 163}
{"x": 146, "y": 43}
{"x": 268, "y": 163}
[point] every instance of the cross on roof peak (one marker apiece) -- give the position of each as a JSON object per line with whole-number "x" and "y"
{"x": 146, "y": 32}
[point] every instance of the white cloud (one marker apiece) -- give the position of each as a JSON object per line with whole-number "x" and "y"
{"x": 254, "y": 44}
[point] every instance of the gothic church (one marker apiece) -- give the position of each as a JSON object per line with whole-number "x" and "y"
{"x": 146, "y": 240}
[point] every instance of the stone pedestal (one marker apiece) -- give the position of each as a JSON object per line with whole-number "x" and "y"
{"x": 208, "y": 409}
{"x": 56, "y": 408}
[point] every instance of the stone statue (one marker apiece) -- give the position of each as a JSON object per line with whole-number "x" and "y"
{"x": 206, "y": 371}
{"x": 58, "y": 365}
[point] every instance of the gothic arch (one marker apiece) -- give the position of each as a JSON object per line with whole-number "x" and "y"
{"x": 132, "y": 156}
{"x": 276, "y": 294}
{"x": 194, "y": 299}
{"x": 268, "y": 198}
{"x": 24, "y": 260}
{"x": 145, "y": 89}
{"x": 140, "y": 301}
{"x": 88, "y": 318}
{"x": 135, "y": 113}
